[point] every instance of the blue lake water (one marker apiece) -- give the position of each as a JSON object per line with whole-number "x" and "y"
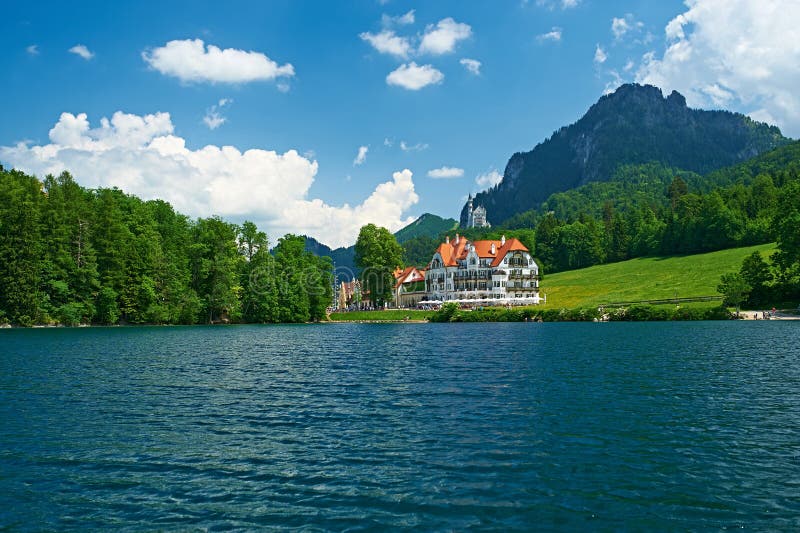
{"x": 426, "y": 426}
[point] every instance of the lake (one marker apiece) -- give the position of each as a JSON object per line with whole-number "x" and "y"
{"x": 644, "y": 426}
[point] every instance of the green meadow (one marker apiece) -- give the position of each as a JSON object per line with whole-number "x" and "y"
{"x": 646, "y": 278}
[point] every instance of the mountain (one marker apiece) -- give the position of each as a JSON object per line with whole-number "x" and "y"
{"x": 343, "y": 258}
{"x": 634, "y": 125}
{"x": 428, "y": 225}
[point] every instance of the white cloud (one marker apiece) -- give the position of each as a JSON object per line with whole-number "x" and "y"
{"x": 404, "y": 146}
{"x": 446, "y": 173}
{"x": 413, "y": 77}
{"x": 566, "y": 4}
{"x": 740, "y": 54}
{"x": 401, "y": 20}
{"x": 622, "y": 25}
{"x": 143, "y": 156}
{"x": 619, "y": 26}
{"x": 443, "y": 37}
{"x": 361, "y": 156}
{"x": 81, "y": 50}
{"x": 472, "y": 65}
{"x": 614, "y": 83}
{"x": 388, "y": 142}
{"x": 600, "y": 55}
{"x": 191, "y": 61}
{"x": 489, "y": 179}
{"x": 33, "y": 49}
{"x": 553, "y": 35}
{"x": 387, "y": 42}
{"x": 213, "y": 118}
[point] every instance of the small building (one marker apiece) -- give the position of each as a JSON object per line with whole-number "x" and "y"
{"x": 482, "y": 272}
{"x": 476, "y": 216}
{"x": 409, "y": 288}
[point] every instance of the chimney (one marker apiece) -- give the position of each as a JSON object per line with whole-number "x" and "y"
{"x": 494, "y": 249}
{"x": 447, "y": 239}
{"x": 502, "y": 240}
{"x": 457, "y": 238}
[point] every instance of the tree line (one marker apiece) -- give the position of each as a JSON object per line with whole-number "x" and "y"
{"x": 72, "y": 255}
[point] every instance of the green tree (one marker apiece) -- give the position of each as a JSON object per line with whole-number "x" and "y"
{"x": 756, "y": 273}
{"x": 734, "y": 290}
{"x": 786, "y": 224}
{"x": 259, "y": 297}
{"x": 215, "y": 264}
{"x": 378, "y": 254}
{"x": 70, "y": 273}
{"x": 291, "y": 263}
{"x": 676, "y": 189}
{"x": 21, "y": 247}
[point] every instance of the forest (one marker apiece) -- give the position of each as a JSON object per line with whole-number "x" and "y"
{"x": 72, "y": 255}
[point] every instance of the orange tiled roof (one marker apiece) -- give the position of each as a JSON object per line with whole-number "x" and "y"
{"x": 511, "y": 245}
{"x": 452, "y": 252}
{"x": 409, "y": 275}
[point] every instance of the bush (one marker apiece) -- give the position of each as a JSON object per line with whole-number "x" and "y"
{"x": 446, "y": 313}
{"x": 107, "y": 308}
{"x": 70, "y": 314}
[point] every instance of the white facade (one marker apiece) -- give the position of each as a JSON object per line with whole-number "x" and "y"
{"x": 489, "y": 271}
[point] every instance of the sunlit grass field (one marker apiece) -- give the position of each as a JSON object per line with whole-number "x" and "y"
{"x": 648, "y": 278}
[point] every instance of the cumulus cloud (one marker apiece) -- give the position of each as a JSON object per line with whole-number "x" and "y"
{"x": 361, "y": 156}
{"x": 733, "y": 53}
{"x": 553, "y": 35}
{"x": 472, "y": 65}
{"x": 33, "y": 49}
{"x": 414, "y": 77}
{"x": 82, "y": 51}
{"x": 445, "y": 173}
{"x": 388, "y": 42}
{"x": 142, "y": 155}
{"x": 489, "y": 179}
{"x": 600, "y": 55}
{"x": 213, "y": 118}
{"x": 443, "y": 37}
{"x": 191, "y": 61}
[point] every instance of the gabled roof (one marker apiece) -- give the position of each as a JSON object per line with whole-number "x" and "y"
{"x": 511, "y": 245}
{"x": 408, "y": 275}
{"x": 453, "y": 251}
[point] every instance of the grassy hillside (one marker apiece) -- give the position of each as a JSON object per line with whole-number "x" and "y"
{"x": 428, "y": 225}
{"x": 646, "y": 278}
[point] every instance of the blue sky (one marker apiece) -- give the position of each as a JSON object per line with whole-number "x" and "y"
{"x": 305, "y": 85}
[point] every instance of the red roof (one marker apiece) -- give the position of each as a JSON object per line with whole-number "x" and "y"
{"x": 408, "y": 275}
{"x": 451, "y": 251}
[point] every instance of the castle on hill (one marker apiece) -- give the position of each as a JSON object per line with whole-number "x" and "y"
{"x": 476, "y": 216}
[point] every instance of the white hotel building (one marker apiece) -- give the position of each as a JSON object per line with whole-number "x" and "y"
{"x": 489, "y": 272}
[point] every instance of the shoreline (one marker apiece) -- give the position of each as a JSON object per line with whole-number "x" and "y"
{"x": 744, "y": 316}
{"x": 757, "y": 315}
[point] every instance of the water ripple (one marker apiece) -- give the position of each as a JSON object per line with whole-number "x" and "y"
{"x": 436, "y": 427}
